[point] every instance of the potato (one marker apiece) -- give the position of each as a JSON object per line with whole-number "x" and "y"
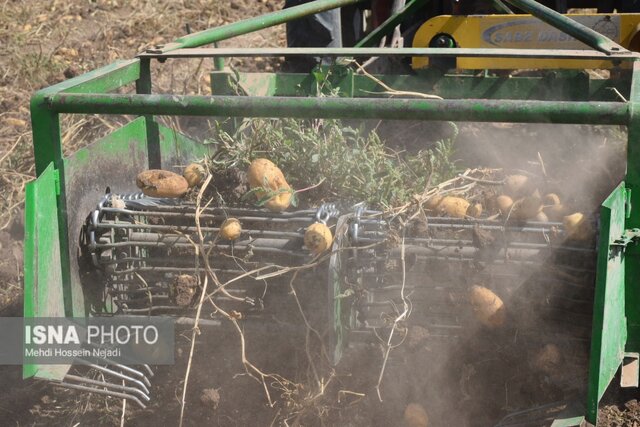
{"x": 263, "y": 173}
{"x": 548, "y": 359}
{"x": 161, "y": 183}
{"x": 318, "y": 238}
{"x": 474, "y": 210}
{"x": 487, "y": 306}
{"x": 577, "y": 226}
{"x": 230, "y": 229}
{"x": 453, "y": 206}
{"x": 541, "y": 217}
{"x": 415, "y": 415}
{"x": 504, "y": 204}
{"x": 433, "y": 202}
{"x": 555, "y": 212}
{"x": 517, "y": 186}
{"x": 490, "y": 203}
{"x": 551, "y": 199}
{"x": 194, "y": 174}
{"x": 526, "y": 208}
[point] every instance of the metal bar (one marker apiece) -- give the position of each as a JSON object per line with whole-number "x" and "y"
{"x": 374, "y": 37}
{"x": 567, "y": 25}
{"x": 498, "y": 4}
{"x": 254, "y": 24}
{"x": 100, "y": 391}
{"x": 118, "y": 375}
{"x": 105, "y": 384}
{"x": 480, "y": 110}
{"x": 386, "y": 51}
{"x": 169, "y": 229}
{"x": 129, "y": 370}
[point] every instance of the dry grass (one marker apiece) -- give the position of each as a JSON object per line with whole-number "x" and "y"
{"x": 43, "y": 43}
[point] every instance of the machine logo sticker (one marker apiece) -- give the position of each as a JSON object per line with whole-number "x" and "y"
{"x": 530, "y": 33}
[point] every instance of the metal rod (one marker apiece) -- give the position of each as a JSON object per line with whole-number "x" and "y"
{"x": 575, "y": 54}
{"x": 475, "y": 110}
{"x": 100, "y": 391}
{"x": 107, "y": 385}
{"x": 569, "y": 26}
{"x": 374, "y": 37}
{"x": 128, "y": 369}
{"x": 255, "y": 24}
{"x": 118, "y": 375}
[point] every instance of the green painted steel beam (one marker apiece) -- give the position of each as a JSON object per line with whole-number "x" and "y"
{"x": 579, "y": 54}
{"x": 374, "y": 37}
{"x": 605, "y": 113}
{"x": 569, "y": 26}
{"x": 254, "y": 24}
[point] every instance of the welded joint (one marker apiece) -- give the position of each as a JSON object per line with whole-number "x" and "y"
{"x": 629, "y": 237}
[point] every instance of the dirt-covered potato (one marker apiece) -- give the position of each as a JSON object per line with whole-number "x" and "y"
{"x": 556, "y": 212}
{"x": 455, "y": 207}
{"x": 548, "y": 359}
{"x": 318, "y": 238}
{"x": 415, "y": 415}
{"x": 433, "y": 202}
{"x": 474, "y": 210}
{"x": 526, "y": 208}
{"x": 230, "y": 229}
{"x": 487, "y": 306}
{"x": 517, "y": 186}
{"x": 541, "y": 217}
{"x": 194, "y": 173}
{"x": 551, "y": 199}
{"x": 263, "y": 173}
{"x": 577, "y": 226}
{"x": 504, "y": 204}
{"x": 161, "y": 183}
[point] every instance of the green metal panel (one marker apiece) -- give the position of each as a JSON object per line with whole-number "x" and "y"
{"x": 178, "y": 150}
{"x": 561, "y": 86}
{"x": 609, "y": 321}
{"x": 112, "y": 161}
{"x": 43, "y": 283}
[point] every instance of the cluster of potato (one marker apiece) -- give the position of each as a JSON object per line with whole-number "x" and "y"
{"x": 266, "y": 180}
{"x": 520, "y": 200}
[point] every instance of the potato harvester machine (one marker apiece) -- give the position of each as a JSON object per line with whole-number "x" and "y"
{"x": 92, "y": 239}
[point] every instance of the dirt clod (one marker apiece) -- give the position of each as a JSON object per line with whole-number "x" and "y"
{"x": 184, "y": 289}
{"x": 210, "y": 397}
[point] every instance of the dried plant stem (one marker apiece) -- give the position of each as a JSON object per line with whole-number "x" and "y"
{"x": 196, "y": 331}
{"x": 391, "y": 91}
{"x": 401, "y": 317}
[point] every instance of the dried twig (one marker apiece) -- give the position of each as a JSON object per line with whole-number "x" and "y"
{"x": 400, "y": 318}
{"x": 196, "y": 331}
{"x": 391, "y": 91}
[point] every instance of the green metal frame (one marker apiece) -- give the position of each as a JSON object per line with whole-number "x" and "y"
{"x": 616, "y": 322}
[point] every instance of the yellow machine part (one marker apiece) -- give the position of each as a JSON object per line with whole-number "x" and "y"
{"x": 524, "y": 32}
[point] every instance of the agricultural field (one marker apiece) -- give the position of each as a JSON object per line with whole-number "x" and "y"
{"x": 504, "y": 358}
